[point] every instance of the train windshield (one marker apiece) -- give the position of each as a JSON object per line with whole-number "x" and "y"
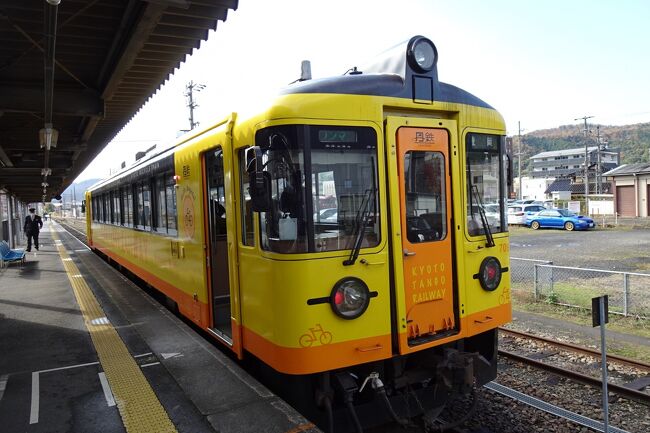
{"x": 323, "y": 180}
{"x": 486, "y": 184}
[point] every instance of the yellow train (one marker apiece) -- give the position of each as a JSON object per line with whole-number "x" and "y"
{"x": 352, "y": 236}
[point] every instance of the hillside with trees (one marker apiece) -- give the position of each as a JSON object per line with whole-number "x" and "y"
{"x": 633, "y": 141}
{"x": 79, "y": 189}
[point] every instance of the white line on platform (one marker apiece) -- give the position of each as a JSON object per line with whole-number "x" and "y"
{"x": 85, "y": 365}
{"x": 33, "y": 414}
{"x": 3, "y": 384}
{"x": 149, "y": 365}
{"x": 108, "y": 394}
{"x": 68, "y": 367}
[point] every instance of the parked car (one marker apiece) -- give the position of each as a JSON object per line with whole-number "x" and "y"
{"x": 526, "y": 201}
{"x": 548, "y": 204}
{"x": 492, "y": 214}
{"x": 328, "y": 215}
{"x": 518, "y": 214}
{"x": 560, "y": 219}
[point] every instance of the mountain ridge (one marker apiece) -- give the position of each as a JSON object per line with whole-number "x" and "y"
{"x": 632, "y": 141}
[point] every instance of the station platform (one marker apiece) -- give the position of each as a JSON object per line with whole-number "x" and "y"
{"x": 83, "y": 349}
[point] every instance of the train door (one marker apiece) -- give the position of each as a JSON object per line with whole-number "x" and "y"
{"x": 217, "y": 248}
{"x": 424, "y": 245}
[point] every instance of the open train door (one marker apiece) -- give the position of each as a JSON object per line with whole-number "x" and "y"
{"x": 220, "y": 257}
{"x": 425, "y": 295}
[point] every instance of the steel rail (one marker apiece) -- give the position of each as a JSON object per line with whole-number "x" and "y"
{"x": 596, "y": 353}
{"x": 630, "y": 393}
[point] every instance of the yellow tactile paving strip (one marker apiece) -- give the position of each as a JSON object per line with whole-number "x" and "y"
{"x": 139, "y": 407}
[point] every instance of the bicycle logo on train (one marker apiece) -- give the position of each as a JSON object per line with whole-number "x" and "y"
{"x": 315, "y": 334}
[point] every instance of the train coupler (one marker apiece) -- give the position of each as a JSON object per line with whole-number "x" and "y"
{"x": 457, "y": 370}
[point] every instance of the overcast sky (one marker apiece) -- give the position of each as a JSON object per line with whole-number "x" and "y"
{"x": 543, "y": 63}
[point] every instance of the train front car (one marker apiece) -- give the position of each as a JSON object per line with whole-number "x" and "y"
{"x": 370, "y": 273}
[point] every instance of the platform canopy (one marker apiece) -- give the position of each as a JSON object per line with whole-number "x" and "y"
{"x": 74, "y": 72}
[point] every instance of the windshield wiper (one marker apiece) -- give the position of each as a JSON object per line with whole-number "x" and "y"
{"x": 361, "y": 223}
{"x": 486, "y": 225}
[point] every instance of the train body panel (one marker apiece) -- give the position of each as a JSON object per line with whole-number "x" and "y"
{"x": 342, "y": 230}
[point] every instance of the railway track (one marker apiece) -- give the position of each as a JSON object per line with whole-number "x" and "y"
{"x": 577, "y": 349}
{"x": 626, "y": 391}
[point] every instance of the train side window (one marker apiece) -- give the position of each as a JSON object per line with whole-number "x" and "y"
{"x": 116, "y": 207}
{"x": 247, "y": 229}
{"x": 170, "y": 197}
{"x": 486, "y": 176}
{"x": 137, "y": 206}
{"x": 109, "y": 207}
{"x": 146, "y": 204}
{"x": 123, "y": 206}
{"x": 129, "y": 205}
{"x": 104, "y": 209}
{"x": 160, "y": 205}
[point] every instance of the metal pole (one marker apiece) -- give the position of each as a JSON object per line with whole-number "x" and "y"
{"x": 552, "y": 277}
{"x": 626, "y": 293}
{"x": 10, "y": 220}
{"x": 74, "y": 201}
{"x": 598, "y": 167}
{"x": 535, "y": 288}
{"x": 604, "y": 363}
{"x": 519, "y": 161}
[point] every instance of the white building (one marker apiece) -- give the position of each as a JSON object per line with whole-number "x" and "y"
{"x": 533, "y": 188}
{"x": 557, "y": 163}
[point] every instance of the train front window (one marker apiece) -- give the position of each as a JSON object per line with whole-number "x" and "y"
{"x": 338, "y": 165}
{"x": 424, "y": 187}
{"x": 486, "y": 184}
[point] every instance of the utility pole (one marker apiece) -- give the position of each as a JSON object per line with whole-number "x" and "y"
{"x": 74, "y": 201}
{"x": 519, "y": 160}
{"x": 599, "y": 171}
{"x": 586, "y": 177}
{"x": 190, "y": 88}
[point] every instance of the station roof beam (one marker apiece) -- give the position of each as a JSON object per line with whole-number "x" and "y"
{"x": 74, "y": 72}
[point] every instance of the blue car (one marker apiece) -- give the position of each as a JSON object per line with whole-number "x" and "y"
{"x": 559, "y": 219}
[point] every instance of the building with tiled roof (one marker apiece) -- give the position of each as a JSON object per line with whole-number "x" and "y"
{"x": 631, "y": 187}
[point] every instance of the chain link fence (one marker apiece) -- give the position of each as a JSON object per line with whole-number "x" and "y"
{"x": 629, "y": 292}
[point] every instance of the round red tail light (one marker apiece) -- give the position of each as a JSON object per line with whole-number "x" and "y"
{"x": 489, "y": 274}
{"x": 349, "y": 298}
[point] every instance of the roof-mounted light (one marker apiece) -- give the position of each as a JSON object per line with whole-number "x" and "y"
{"x": 421, "y": 54}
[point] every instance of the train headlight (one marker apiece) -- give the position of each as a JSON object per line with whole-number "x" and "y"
{"x": 422, "y": 54}
{"x": 349, "y": 298}
{"x": 489, "y": 274}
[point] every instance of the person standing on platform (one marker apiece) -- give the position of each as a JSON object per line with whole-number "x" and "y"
{"x": 33, "y": 225}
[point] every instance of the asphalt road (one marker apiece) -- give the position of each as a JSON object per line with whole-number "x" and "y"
{"x": 616, "y": 249}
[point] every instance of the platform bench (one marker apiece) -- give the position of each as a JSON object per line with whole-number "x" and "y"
{"x": 8, "y": 255}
